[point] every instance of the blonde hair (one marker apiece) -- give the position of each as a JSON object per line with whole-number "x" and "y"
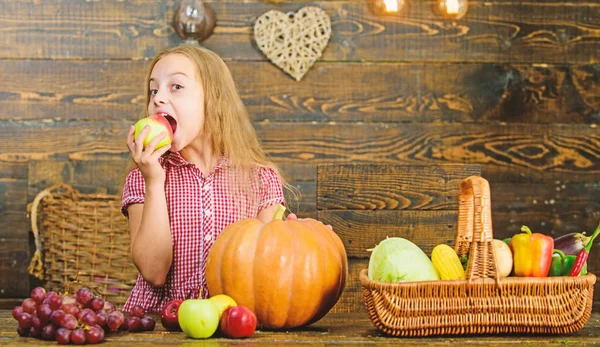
{"x": 227, "y": 122}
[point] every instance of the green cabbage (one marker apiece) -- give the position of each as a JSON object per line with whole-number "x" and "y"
{"x": 397, "y": 260}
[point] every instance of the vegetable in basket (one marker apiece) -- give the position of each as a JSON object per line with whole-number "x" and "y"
{"x": 446, "y": 262}
{"x": 532, "y": 253}
{"x": 571, "y": 244}
{"x": 397, "y": 260}
{"x": 561, "y": 263}
{"x": 583, "y": 255}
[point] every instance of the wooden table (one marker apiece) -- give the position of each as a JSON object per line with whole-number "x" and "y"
{"x": 336, "y": 329}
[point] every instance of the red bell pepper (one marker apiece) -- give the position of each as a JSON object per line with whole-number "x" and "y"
{"x": 532, "y": 253}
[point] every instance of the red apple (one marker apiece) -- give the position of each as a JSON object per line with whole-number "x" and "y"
{"x": 168, "y": 316}
{"x": 237, "y": 322}
{"x": 158, "y": 123}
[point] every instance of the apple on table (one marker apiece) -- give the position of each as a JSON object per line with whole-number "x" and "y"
{"x": 238, "y": 322}
{"x": 198, "y": 318}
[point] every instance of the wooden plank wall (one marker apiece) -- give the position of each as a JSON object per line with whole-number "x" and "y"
{"x": 513, "y": 86}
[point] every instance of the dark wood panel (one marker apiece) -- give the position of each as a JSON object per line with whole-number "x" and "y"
{"x": 363, "y": 230}
{"x": 491, "y": 31}
{"x": 113, "y": 90}
{"x": 14, "y": 259}
{"x": 567, "y": 152}
{"x": 553, "y": 209}
{"x": 352, "y": 299}
{"x": 13, "y": 209}
{"x": 391, "y": 187}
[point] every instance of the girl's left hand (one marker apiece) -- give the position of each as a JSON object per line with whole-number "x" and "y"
{"x": 293, "y": 216}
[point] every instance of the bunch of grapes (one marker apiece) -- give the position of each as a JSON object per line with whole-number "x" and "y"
{"x": 78, "y": 319}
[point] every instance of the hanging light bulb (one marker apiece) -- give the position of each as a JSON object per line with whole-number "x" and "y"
{"x": 389, "y": 6}
{"x": 452, "y": 9}
{"x": 194, "y": 21}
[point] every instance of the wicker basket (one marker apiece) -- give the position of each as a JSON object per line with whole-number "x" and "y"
{"x": 483, "y": 303}
{"x": 84, "y": 240}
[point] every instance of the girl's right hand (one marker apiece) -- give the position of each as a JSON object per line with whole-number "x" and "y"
{"x": 147, "y": 159}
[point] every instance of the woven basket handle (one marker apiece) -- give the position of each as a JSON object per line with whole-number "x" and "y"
{"x": 36, "y": 266}
{"x": 474, "y": 236}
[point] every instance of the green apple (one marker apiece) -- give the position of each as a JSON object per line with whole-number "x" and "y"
{"x": 222, "y": 301}
{"x": 198, "y": 318}
{"x": 158, "y": 123}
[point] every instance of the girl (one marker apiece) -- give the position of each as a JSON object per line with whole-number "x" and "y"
{"x": 178, "y": 198}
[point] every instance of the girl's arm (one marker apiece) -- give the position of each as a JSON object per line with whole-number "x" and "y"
{"x": 266, "y": 215}
{"x": 151, "y": 245}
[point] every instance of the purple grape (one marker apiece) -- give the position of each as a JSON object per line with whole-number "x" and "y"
{"x": 83, "y": 312}
{"x": 134, "y": 324}
{"x": 38, "y": 294}
{"x": 101, "y": 317}
{"x": 48, "y": 332}
{"x": 138, "y": 311}
{"x": 148, "y": 324}
{"x": 23, "y": 332}
{"x": 63, "y": 336}
{"x": 43, "y": 312}
{"x": 94, "y": 334}
{"x": 78, "y": 336}
{"x": 84, "y": 296}
{"x": 68, "y": 322}
{"x": 115, "y": 320}
{"x": 108, "y": 306}
{"x": 97, "y": 304}
{"x": 88, "y": 318}
{"x": 25, "y": 320}
{"x": 56, "y": 317}
{"x": 28, "y": 305}
{"x": 35, "y": 321}
{"x": 54, "y": 301}
{"x": 69, "y": 300}
{"x": 35, "y": 332}
{"x": 70, "y": 309}
{"x": 17, "y": 311}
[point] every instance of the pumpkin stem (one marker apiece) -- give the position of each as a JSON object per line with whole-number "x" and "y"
{"x": 279, "y": 212}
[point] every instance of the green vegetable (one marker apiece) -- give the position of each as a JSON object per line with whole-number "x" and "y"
{"x": 396, "y": 260}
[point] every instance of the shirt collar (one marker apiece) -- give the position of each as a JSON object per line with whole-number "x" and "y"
{"x": 175, "y": 159}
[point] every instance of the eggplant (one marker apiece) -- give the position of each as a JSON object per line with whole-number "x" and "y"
{"x": 571, "y": 244}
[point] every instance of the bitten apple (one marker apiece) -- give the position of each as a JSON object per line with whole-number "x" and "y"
{"x": 237, "y": 322}
{"x": 168, "y": 315}
{"x": 198, "y": 318}
{"x": 158, "y": 124}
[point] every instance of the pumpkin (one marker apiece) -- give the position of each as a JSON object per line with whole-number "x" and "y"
{"x": 289, "y": 273}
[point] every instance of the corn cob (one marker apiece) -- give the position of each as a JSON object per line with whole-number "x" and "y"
{"x": 446, "y": 262}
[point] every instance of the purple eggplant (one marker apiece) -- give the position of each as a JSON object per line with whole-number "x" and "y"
{"x": 571, "y": 244}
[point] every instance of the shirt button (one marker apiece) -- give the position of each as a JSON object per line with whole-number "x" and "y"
{"x": 207, "y": 212}
{"x": 206, "y": 187}
{"x": 208, "y": 237}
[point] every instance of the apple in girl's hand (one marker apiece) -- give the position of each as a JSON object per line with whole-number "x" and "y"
{"x": 198, "y": 318}
{"x": 237, "y": 322}
{"x": 158, "y": 123}
{"x": 222, "y": 301}
{"x": 168, "y": 315}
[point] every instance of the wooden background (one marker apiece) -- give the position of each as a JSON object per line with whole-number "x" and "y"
{"x": 514, "y": 86}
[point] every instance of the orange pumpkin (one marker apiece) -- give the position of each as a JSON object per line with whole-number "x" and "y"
{"x": 289, "y": 273}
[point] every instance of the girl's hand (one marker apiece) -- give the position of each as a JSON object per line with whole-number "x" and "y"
{"x": 147, "y": 159}
{"x": 292, "y": 216}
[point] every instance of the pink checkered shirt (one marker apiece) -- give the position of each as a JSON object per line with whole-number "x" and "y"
{"x": 200, "y": 207}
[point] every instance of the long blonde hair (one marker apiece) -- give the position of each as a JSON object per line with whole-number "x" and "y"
{"x": 227, "y": 122}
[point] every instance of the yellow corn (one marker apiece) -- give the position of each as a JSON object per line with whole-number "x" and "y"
{"x": 446, "y": 262}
